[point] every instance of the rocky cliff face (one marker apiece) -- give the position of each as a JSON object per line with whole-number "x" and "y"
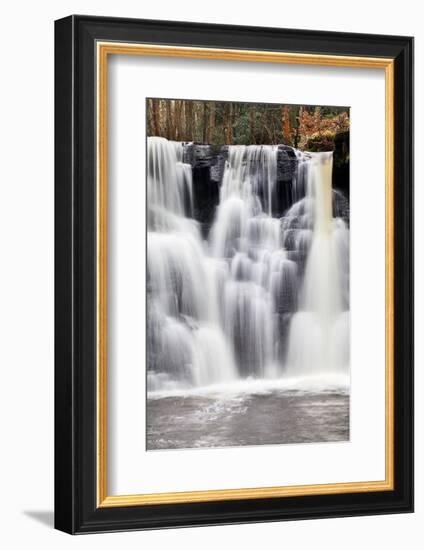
{"x": 208, "y": 169}
{"x": 208, "y": 164}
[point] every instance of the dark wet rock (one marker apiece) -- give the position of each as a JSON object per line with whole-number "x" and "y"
{"x": 341, "y": 171}
{"x": 205, "y": 197}
{"x": 208, "y": 164}
{"x": 341, "y": 208}
{"x": 286, "y": 163}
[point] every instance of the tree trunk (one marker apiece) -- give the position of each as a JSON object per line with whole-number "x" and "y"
{"x": 183, "y": 121}
{"x": 168, "y": 119}
{"x": 228, "y": 130}
{"x": 189, "y": 121}
{"x": 211, "y": 128}
{"x": 177, "y": 132}
{"x": 156, "y": 119}
{"x": 205, "y": 122}
{"x": 252, "y": 125}
{"x": 286, "y": 125}
{"x": 150, "y": 124}
{"x": 197, "y": 135}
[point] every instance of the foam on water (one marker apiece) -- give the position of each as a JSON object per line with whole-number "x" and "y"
{"x": 324, "y": 382}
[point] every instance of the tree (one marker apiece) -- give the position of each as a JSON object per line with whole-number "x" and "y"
{"x": 211, "y": 127}
{"x": 156, "y": 116}
{"x": 286, "y": 128}
{"x": 189, "y": 121}
{"x": 228, "y": 124}
{"x": 205, "y": 122}
{"x": 222, "y": 122}
{"x": 169, "y": 120}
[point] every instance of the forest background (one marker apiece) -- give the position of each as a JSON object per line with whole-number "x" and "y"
{"x": 305, "y": 127}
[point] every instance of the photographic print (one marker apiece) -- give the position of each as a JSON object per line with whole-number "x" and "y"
{"x": 248, "y": 335}
{"x": 206, "y": 307}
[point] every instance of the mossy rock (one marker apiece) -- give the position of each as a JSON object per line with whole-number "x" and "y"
{"x": 320, "y": 142}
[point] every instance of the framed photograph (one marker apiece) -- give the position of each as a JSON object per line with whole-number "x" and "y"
{"x": 234, "y": 274}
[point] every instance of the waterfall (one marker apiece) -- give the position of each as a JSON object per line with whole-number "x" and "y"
{"x": 262, "y": 296}
{"x": 186, "y": 342}
{"x": 319, "y": 333}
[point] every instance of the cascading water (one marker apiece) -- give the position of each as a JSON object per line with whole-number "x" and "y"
{"x": 186, "y": 342}
{"x": 319, "y": 332}
{"x": 263, "y": 296}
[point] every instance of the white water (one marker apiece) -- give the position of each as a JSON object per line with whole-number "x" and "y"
{"x": 319, "y": 332}
{"x": 264, "y": 297}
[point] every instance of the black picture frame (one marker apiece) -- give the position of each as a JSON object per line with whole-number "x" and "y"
{"x": 76, "y": 509}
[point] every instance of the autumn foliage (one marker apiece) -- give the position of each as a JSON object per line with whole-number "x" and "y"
{"x": 305, "y": 127}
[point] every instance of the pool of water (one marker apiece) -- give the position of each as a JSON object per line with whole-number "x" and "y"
{"x": 271, "y": 417}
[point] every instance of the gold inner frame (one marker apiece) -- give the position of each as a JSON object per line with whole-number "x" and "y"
{"x": 103, "y": 50}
